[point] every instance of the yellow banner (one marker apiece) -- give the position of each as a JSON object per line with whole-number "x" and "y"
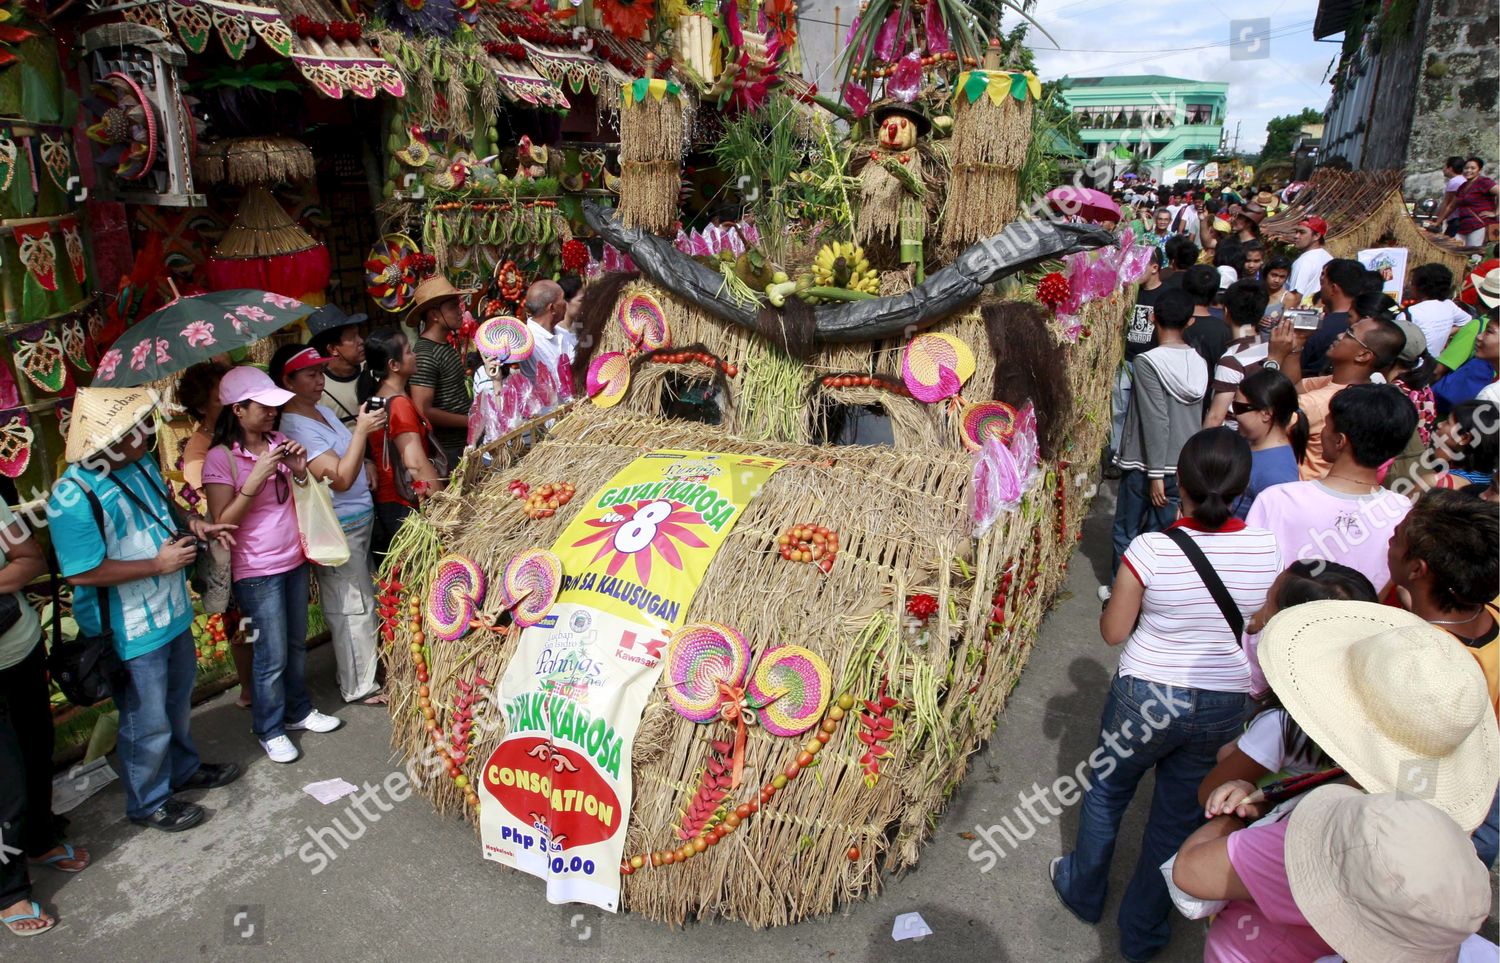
{"x": 556, "y": 792}
{"x": 639, "y": 549}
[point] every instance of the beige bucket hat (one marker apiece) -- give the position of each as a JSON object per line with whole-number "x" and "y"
{"x": 1384, "y": 877}
{"x": 1399, "y": 703}
{"x": 103, "y": 416}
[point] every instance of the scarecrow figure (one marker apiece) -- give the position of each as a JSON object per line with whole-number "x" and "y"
{"x": 895, "y": 187}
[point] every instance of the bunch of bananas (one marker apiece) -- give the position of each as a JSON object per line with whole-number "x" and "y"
{"x": 841, "y": 264}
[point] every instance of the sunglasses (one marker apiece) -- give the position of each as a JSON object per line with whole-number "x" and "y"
{"x": 1243, "y": 407}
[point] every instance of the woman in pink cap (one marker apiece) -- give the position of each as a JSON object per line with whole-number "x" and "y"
{"x": 248, "y": 478}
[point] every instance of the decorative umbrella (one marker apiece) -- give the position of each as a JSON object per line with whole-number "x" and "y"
{"x": 1089, "y": 204}
{"x": 193, "y": 329}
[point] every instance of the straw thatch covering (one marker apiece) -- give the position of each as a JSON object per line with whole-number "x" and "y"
{"x": 989, "y": 146}
{"x": 903, "y": 522}
{"x": 1364, "y": 209}
{"x": 651, "y": 138}
{"x": 262, "y": 228}
{"x": 244, "y": 161}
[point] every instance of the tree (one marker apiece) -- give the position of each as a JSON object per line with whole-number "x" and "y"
{"x": 1281, "y": 131}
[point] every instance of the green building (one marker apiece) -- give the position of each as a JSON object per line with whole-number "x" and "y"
{"x": 1170, "y": 125}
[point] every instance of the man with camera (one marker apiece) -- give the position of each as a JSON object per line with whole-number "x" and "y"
{"x": 120, "y": 545}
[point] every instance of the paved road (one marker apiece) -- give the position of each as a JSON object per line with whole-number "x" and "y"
{"x": 411, "y": 886}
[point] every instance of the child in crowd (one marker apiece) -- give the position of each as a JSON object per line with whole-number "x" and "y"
{"x": 1165, "y": 410}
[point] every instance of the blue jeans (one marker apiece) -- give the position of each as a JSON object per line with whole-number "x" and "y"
{"x": 1487, "y": 836}
{"x": 1135, "y": 514}
{"x": 1119, "y": 401}
{"x": 154, "y": 746}
{"x": 275, "y": 610}
{"x": 1145, "y": 726}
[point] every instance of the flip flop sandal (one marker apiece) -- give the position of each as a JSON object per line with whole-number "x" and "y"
{"x": 56, "y": 861}
{"x": 35, "y": 914}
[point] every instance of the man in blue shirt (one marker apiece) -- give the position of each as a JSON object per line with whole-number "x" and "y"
{"x": 135, "y": 564}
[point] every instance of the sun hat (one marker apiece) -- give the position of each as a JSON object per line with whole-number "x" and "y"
{"x": 434, "y": 289}
{"x": 245, "y": 383}
{"x": 1416, "y": 341}
{"x": 1254, "y": 212}
{"x": 1399, "y": 703}
{"x": 1266, "y": 199}
{"x": 1384, "y": 877}
{"x": 327, "y": 321}
{"x": 103, "y": 416}
{"x": 1487, "y": 286}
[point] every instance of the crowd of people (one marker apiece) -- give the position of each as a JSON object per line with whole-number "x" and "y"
{"x": 381, "y": 418}
{"x": 1306, "y": 570}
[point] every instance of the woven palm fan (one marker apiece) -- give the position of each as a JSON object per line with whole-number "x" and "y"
{"x": 125, "y": 125}
{"x": 264, "y": 248}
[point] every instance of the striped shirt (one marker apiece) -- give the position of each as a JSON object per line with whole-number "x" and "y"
{"x": 1182, "y": 638}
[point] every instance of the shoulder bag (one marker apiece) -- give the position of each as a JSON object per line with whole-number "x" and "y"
{"x": 400, "y": 475}
{"x": 88, "y": 669}
{"x": 1211, "y": 580}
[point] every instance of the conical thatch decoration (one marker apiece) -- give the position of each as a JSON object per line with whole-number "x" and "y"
{"x": 991, "y": 132}
{"x": 244, "y": 161}
{"x": 262, "y": 228}
{"x": 652, "y": 122}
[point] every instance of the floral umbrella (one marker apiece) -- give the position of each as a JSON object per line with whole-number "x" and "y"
{"x": 193, "y": 329}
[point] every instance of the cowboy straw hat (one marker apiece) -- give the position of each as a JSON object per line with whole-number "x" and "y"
{"x": 1398, "y": 703}
{"x": 435, "y": 288}
{"x": 1384, "y": 877}
{"x": 1487, "y": 286}
{"x": 1266, "y": 199}
{"x": 103, "y": 416}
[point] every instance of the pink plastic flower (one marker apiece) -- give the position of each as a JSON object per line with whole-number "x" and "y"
{"x": 199, "y": 333}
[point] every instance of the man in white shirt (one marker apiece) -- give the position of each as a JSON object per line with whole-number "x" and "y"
{"x": 1307, "y": 271}
{"x": 545, "y": 306}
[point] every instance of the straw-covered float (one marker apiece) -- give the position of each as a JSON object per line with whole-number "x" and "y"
{"x": 720, "y": 637}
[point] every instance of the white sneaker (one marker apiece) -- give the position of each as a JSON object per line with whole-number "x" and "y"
{"x": 317, "y": 722}
{"x": 280, "y": 749}
{"x": 1104, "y": 593}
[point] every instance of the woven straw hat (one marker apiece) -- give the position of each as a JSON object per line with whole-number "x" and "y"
{"x": 1384, "y": 877}
{"x": 103, "y": 416}
{"x": 435, "y": 288}
{"x": 1400, "y": 704}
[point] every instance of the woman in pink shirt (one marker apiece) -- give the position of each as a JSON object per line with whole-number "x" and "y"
{"x": 248, "y": 477}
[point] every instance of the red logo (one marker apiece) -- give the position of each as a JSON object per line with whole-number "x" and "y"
{"x": 652, "y": 647}
{"x": 553, "y": 790}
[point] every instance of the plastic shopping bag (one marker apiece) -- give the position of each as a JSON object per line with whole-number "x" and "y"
{"x": 318, "y": 526}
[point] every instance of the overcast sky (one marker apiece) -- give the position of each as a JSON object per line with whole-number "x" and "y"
{"x": 1282, "y": 75}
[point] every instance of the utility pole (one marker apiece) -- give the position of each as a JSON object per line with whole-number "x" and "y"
{"x": 1237, "y": 137}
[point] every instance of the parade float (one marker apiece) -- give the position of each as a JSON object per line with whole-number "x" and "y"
{"x": 718, "y": 634}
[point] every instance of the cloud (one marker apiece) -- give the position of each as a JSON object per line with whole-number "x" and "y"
{"x": 1190, "y": 39}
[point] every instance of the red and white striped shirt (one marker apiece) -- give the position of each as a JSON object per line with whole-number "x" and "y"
{"x": 1182, "y": 638}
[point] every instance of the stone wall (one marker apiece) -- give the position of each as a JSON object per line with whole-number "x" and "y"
{"x": 1457, "y": 86}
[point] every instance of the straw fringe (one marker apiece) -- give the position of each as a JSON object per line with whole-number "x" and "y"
{"x": 262, "y": 228}
{"x": 903, "y": 524}
{"x": 651, "y": 139}
{"x": 244, "y": 161}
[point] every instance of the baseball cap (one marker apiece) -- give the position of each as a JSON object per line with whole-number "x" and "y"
{"x": 244, "y": 383}
{"x": 1317, "y": 225}
{"x": 1416, "y": 341}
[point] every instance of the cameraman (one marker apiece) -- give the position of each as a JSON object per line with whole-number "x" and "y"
{"x": 135, "y": 562}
